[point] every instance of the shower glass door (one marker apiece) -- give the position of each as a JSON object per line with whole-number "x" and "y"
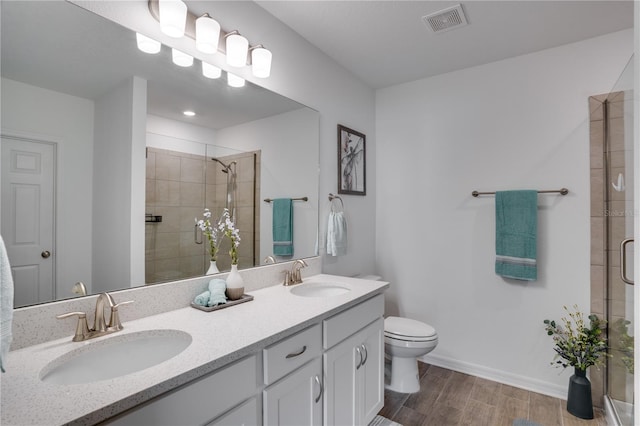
{"x": 619, "y": 230}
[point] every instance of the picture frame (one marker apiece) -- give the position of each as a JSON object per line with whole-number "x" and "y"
{"x": 352, "y": 172}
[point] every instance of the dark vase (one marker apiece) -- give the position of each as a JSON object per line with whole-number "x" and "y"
{"x": 579, "y": 399}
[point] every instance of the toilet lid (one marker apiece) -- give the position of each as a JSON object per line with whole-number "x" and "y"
{"x": 408, "y": 329}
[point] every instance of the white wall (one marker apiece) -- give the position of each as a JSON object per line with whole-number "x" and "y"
{"x": 118, "y": 204}
{"x": 303, "y": 73}
{"x": 284, "y": 141}
{"x": 68, "y": 120}
{"x": 514, "y": 124}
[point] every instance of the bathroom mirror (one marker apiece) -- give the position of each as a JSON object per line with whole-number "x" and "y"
{"x": 126, "y": 172}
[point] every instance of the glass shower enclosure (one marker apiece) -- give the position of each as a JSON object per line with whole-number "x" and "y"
{"x": 618, "y": 243}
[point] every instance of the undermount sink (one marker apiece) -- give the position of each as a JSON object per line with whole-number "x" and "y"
{"x": 115, "y": 356}
{"x": 319, "y": 289}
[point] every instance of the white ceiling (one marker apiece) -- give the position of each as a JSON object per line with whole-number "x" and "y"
{"x": 386, "y": 42}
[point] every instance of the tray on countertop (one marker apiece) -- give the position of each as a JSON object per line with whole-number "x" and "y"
{"x": 244, "y": 298}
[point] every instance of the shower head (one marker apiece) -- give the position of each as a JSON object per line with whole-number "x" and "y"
{"x": 226, "y": 167}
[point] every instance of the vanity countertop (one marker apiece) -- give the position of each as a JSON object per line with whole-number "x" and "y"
{"x": 219, "y": 337}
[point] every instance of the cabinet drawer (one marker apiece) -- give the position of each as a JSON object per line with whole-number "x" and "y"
{"x": 200, "y": 401}
{"x": 340, "y": 326}
{"x": 289, "y": 354}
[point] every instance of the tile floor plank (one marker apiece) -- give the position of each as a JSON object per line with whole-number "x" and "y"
{"x": 545, "y": 410}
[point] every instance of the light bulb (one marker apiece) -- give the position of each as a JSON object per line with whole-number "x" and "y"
{"x": 234, "y": 81}
{"x": 173, "y": 17}
{"x": 147, "y": 45}
{"x": 237, "y": 48}
{"x": 181, "y": 59}
{"x": 211, "y": 71}
{"x": 261, "y": 62}
{"x": 207, "y": 34}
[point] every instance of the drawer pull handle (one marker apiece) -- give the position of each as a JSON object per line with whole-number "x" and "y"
{"x": 295, "y": 354}
{"x": 360, "y": 354}
{"x": 321, "y": 389}
{"x": 366, "y": 355}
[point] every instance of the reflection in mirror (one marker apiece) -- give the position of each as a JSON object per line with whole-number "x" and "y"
{"x": 101, "y": 169}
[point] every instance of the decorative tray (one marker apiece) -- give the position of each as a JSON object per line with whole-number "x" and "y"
{"x": 244, "y": 298}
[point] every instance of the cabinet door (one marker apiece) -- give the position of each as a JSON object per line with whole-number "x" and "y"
{"x": 354, "y": 372}
{"x": 371, "y": 383}
{"x": 341, "y": 383}
{"x": 297, "y": 398}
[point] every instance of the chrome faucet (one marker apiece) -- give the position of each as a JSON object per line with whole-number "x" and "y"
{"x": 270, "y": 259}
{"x": 100, "y": 326}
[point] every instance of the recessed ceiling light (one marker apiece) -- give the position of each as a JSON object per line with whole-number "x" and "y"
{"x": 189, "y": 113}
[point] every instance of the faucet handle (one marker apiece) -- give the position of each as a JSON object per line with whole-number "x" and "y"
{"x": 82, "y": 329}
{"x": 115, "y": 315}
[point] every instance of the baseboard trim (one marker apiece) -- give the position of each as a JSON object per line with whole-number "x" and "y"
{"x": 510, "y": 379}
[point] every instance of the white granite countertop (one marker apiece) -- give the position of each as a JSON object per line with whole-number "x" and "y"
{"x": 219, "y": 337}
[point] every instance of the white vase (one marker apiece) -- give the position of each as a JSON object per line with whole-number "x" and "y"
{"x": 213, "y": 268}
{"x": 235, "y": 284}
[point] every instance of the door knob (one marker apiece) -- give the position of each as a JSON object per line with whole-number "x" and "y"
{"x": 45, "y": 254}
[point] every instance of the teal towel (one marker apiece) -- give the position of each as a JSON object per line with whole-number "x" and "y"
{"x": 516, "y": 234}
{"x": 283, "y": 227}
{"x": 202, "y": 299}
{"x": 217, "y": 288}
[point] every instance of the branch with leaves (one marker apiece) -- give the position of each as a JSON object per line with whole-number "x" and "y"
{"x": 577, "y": 344}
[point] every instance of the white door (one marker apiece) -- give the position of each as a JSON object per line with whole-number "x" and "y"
{"x": 28, "y": 184}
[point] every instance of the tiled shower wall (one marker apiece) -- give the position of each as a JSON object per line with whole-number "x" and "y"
{"x": 178, "y": 187}
{"x": 608, "y": 228}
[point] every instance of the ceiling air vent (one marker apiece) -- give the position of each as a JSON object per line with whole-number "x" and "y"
{"x": 446, "y": 19}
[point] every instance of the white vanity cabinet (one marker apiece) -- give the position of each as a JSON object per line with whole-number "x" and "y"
{"x": 202, "y": 400}
{"x": 354, "y": 367}
{"x": 330, "y": 373}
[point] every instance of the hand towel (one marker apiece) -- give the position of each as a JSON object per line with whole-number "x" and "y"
{"x": 516, "y": 234}
{"x": 283, "y": 227}
{"x": 6, "y": 305}
{"x": 337, "y": 234}
{"x": 217, "y": 287}
{"x": 202, "y": 299}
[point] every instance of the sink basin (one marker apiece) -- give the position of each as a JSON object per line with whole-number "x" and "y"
{"x": 319, "y": 289}
{"x": 115, "y": 356}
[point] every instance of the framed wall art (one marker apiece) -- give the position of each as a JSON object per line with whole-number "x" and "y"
{"x": 351, "y": 162}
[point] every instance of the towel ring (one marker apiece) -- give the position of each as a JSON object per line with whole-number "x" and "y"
{"x": 336, "y": 197}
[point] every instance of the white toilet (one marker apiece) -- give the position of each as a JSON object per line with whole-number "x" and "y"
{"x": 404, "y": 341}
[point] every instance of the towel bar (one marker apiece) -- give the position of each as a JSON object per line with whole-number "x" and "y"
{"x": 268, "y": 200}
{"x": 561, "y": 191}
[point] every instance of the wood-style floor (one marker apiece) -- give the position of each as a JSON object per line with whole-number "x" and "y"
{"x": 448, "y": 397}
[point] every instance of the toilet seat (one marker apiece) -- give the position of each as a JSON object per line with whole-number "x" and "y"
{"x": 408, "y": 330}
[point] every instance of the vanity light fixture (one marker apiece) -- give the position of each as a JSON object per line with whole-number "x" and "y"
{"x": 211, "y": 71}
{"x": 176, "y": 21}
{"x": 237, "y": 49}
{"x": 207, "y": 34}
{"x": 235, "y": 81}
{"x": 189, "y": 113}
{"x": 181, "y": 59}
{"x": 260, "y": 61}
{"x": 173, "y": 17}
{"x": 147, "y": 45}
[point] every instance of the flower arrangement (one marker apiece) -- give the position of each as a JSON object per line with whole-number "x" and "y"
{"x": 577, "y": 345}
{"x": 625, "y": 343}
{"x": 210, "y": 231}
{"x": 228, "y": 228}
